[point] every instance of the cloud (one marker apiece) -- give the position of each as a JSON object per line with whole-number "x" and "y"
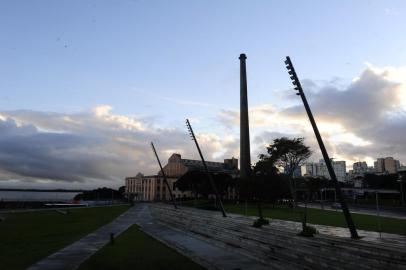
{"x": 360, "y": 121}
{"x": 363, "y": 120}
{"x": 91, "y": 147}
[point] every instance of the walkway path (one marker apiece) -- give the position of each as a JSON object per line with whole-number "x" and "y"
{"x": 73, "y": 255}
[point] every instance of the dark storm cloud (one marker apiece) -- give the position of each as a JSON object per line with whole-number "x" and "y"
{"x": 29, "y": 153}
{"x": 89, "y": 147}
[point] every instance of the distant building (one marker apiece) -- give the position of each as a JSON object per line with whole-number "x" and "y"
{"x": 319, "y": 169}
{"x": 379, "y": 165}
{"x": 153, "y": 188}
{"x": 386, "y": 165}
{"x": 297, "y": 172}
{"x": 360, "y": 167}
{"x": 402, "y": 169}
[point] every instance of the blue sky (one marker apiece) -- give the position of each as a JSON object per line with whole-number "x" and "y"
{"x": 164, "y": 61}
{"x": 71, "y": 55}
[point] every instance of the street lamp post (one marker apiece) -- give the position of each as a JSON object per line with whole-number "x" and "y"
{"x": 211, "y": 180}
{"x": 164, "y": 176}
{"x": 378, "y": 214}
{"x": 402, "y": 198}
{"x": 297, "y": 86}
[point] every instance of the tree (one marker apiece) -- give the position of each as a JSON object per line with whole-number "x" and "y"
{"x": 269, "y": 184}
{"x": 121, "y": 190}
{"x": 315, "y": 184}
{"x": 264, "y": 184}
{"x": 388, "y": 181}
{"x": 289, "y": 154}
{"x": 99, "y": 194}
{"x": 223, "y": 182}
{"x": 197, "y": 182}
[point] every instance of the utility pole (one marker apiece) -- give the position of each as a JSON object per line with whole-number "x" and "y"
{"x": 297, "y": 86}
{"x": 164, "y": 176}
{"x": 211, "y": 180}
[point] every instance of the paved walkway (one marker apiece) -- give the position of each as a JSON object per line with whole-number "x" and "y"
{"x": 73, "y": 255}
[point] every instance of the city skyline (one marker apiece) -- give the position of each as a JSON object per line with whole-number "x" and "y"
{"x": 87, "y": 85}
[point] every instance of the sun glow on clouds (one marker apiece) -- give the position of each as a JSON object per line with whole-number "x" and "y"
{"x": 349, "y": 138}
{"x": 104, "y": 112}
{"x": 395, "y": 74}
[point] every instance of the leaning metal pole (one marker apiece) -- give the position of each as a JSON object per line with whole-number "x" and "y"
{"x": 298, "y": 86}
{"x": 211, "y": 180}
{"x": 164, "y": 176}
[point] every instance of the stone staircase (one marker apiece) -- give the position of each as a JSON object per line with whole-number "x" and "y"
{"x": 278, "y": 247}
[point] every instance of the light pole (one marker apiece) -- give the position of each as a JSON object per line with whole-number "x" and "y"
{"x": 211, "y": 180}
{"x": 164, "y": 176}
{"x": 378, "y": 214}
{"x": 298, "y": 86}
{"x": 402, "y": 199}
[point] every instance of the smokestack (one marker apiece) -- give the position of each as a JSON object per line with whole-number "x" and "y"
{"x": 245, "y": 158}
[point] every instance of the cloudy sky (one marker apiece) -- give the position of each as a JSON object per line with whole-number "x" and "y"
{"x": 86, "y": 85}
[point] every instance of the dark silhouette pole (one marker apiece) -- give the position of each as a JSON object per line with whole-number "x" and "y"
{"x": 245, "y": 158}
{"x": 211, "y": 180}
{"x": 164, "y": 176}
{"x": 344, "y": 207}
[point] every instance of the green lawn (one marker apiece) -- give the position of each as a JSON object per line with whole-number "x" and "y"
{"x": 28, "y": 237}
{"x": 135, "y": 250}
{"x": 316, "y": 216}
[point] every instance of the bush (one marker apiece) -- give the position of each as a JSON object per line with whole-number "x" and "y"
{"x": 308, "y": 231}
{"x": 259, "y": 222}
{"x": 208, "y": 207}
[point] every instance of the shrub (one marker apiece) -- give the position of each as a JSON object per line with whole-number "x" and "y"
{"x": 308, "y": 231}
{"x": 259, "y": 222}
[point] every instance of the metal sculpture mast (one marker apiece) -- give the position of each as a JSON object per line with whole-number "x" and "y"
{"x": 164, "y": 176}
{"x": 211, "y": 180}
{"x": 298, "y": 87}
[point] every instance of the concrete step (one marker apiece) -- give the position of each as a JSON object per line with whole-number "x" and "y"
{"x": 268, "y": 243}
{"x": 329, "y": 239}
{"x": 270, "y": 249}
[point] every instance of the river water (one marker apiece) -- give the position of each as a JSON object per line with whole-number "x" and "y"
{"x": 30, "y": 196}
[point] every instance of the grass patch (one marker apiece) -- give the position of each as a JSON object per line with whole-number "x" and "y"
{"x": 325, "y": 217}
{"x": 26, "y": 238}
{"x": 136, "y": 250}
{"x": 318, "y": 216}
